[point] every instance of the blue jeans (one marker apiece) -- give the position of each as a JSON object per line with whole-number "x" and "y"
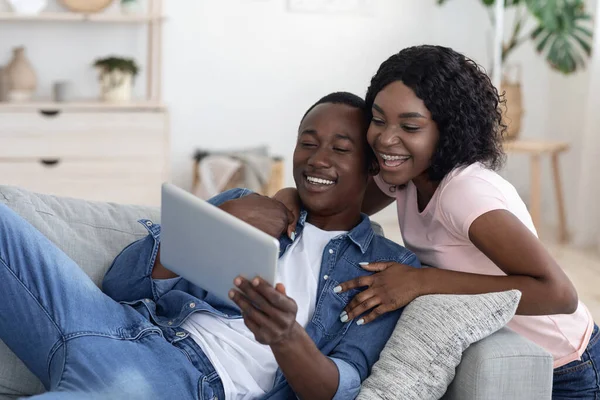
{"x": 79, "y": 342}
{"x": 580, "y": 379}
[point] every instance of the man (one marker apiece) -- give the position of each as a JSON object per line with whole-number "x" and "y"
{"x": 159, "y": 336}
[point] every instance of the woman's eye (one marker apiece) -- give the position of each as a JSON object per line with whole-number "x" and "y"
{"x": 308, "y": 145}
{"x": 377, "y": 121}
{"x": 410, "y": 128}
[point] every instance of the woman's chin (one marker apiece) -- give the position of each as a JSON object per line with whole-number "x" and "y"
{"x": 397, "y": 178}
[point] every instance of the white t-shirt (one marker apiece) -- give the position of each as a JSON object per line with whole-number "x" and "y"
{"x": 439, "y": 236}
{"x": 246, "y": 367}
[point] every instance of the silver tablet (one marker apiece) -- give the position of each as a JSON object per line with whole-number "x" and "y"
{"x": 210, "y": 247}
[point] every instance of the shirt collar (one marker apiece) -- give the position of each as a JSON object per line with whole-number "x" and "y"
{"x": 361, "y": 235}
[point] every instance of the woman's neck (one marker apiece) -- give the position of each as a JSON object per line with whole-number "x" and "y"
{"x": 425, "y": 189}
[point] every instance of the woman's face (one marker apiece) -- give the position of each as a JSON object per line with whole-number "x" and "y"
{"x": 402, "y": 134}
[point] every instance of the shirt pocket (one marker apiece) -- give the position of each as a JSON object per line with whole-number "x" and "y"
{"x": 328, "y": 309}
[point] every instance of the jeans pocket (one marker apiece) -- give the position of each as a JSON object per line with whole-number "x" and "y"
{"x": 575, "y": 380}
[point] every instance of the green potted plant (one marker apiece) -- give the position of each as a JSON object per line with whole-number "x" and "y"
{"x": 560, "y": 31}
{"x": 131, "y": 7}
{"x": 116, "y": 76}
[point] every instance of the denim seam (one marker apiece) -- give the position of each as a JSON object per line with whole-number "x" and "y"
{"x": 595, "y": 368}
{"x": 79, "y": 334}
{"x": 59, "y": 343}
{"x": 2, "y": 261}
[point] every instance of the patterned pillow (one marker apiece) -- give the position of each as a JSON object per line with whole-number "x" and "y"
{"x": 420, "y": 359}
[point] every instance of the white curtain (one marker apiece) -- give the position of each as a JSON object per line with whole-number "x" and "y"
{"x": 587, "y": 229}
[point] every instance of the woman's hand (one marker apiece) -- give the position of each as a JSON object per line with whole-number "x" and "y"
{"x": 289, "y": 197}
{"x": 393, "y": 286}
{"x": 267, "y": 311}
{"x": 269, "y": 215}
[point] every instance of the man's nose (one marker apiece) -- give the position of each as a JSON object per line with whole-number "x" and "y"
{"x": 320, "y": 159}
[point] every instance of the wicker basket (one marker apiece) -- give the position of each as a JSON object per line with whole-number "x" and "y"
{"x": 275, "y": 183}
{"x": 514, "y": 109}
{"x": 86, "y": 6}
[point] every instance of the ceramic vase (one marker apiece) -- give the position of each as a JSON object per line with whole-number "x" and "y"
{"x": 22, "y": 80}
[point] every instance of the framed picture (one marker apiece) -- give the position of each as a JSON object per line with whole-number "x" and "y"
{"x": 357, "y": 7}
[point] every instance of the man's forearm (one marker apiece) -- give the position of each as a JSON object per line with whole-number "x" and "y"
{"x": 311, "y": 374}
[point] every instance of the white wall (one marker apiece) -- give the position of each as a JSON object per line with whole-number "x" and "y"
{"x": 241, "y": 73}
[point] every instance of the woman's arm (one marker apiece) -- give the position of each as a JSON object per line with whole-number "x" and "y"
{"x": 504, "y": 239}
{"x": 529, "y": 267}
{"x": 373, "y": 202}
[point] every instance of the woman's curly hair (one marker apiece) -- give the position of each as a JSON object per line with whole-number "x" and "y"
{"x": 462, "y": 100}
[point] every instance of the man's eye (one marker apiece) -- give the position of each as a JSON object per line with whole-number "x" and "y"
{"x": 340, "y": 150}
{"x": 308, "y": 145}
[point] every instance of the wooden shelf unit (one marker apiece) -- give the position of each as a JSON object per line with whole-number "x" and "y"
{"x": 83, "y": 105}
{"x": 79, "y": 17}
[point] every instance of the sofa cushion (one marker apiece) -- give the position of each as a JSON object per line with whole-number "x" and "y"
{"x": 420, "y": 359}
{"x": 92, "y": 234}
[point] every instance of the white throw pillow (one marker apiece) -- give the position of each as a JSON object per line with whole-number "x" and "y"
{"x": 420, "y": 359}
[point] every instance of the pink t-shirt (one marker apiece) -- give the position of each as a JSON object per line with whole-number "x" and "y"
{"x": 439, "y": 236}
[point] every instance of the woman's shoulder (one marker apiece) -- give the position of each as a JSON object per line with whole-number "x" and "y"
{"x": 476, "y": 179}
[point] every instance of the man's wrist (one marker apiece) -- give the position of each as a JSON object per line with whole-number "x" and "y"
{"x": 291, "y": 342}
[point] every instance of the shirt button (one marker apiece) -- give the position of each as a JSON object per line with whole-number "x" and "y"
{"x": 192, "y": 305}
{"x": 147, "y": 300}
{"x": 330, "y": 251}
{"x": 180, "y": 334}
{"x": 170, "y": 323}
{"x": 326, "y": 277}
{"x": 148, "y": 223}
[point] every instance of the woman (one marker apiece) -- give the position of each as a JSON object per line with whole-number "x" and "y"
{"x": 436, "y": 129}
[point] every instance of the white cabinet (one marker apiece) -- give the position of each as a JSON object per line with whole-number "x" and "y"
{"x": 104, "y": 156}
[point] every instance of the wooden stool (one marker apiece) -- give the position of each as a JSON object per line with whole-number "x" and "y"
{"x": 535, "y": 149}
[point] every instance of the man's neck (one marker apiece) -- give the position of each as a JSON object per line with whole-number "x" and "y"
{"x": 344, "y": 221}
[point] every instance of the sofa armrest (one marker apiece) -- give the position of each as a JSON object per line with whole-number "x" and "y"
{"x": 504, "y": 365}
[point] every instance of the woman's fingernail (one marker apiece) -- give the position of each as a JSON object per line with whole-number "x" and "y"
{"x": 337, "y": 289}
{"x": 293, "y": 236}
{"x": 231, "y": 294}
{"x": 362, "y": 264}
{"x": 344, "y": 318}
{"x": 343, "y": 313}
{"x": 237, "y": 281}
{"x": 360, "y": 321}
{"x": 255, "y": 282}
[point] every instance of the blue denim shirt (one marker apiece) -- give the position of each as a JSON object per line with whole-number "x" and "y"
{"x": 353, "y": 348}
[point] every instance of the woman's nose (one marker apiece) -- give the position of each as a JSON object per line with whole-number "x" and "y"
{"x": 390, "y": 137}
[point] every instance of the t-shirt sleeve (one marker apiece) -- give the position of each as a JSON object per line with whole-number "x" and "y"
{"x": 386, "y": 188}
{"x": 464, "y": 200}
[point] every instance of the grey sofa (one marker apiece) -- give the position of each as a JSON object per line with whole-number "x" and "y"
{"x": 502, "y": 366}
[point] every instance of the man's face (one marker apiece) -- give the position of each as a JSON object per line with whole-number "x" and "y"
{"x": 330, "y": 159}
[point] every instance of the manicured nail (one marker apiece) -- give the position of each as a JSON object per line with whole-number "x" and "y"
{"x": 360, "y": 321}
{"x": 344, "y": 318}
{"x": 237, "y": 281}
{"x": 343, "y": 313}
{"x": 362, "y": 264}
{"x": 255, "y": 282}
{"x": 337, "y": 289}
{"x": 231, "y": 294}
{"x": 293, "y": 236}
